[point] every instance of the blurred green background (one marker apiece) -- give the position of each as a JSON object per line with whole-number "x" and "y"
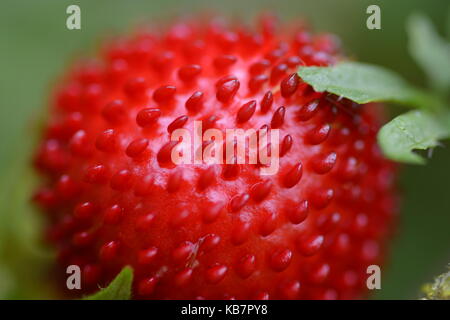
{"x": 35, "y": 45}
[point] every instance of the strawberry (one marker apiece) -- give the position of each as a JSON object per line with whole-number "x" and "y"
{"x": 113, "y": 195}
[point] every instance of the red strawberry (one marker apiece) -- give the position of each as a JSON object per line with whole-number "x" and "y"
{"x": 113, "y": 197}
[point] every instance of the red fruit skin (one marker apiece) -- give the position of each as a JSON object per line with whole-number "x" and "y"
{"x": 112, "y": 198}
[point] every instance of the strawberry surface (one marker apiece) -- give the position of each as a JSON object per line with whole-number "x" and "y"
{"x": 113, "y": 196}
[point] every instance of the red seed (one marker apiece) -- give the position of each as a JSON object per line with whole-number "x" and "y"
{"x": 143, "y": 223}
{"x": 227, "y": 40}
{"x": 211, "y": 212}
{"x": 137, "y": 148}
{"x": 115, "y": 112}
{"x": 302, "y": 38}
{"x": 147, "y": 256}
{"x": 177, "y": 123}
{"x": 107, "y": 141}
{"x": 308, "y": 111}
{"x": 294, "y": 61}
{"x": 299, "y": 212}
{"x": 259, "y": 191}
{"x": 164, "y": 94}
{"x": 238, "y": 201}
{"x": 79, "y": 144}
{"x": 246, "y": 112}
{"x": 278, "y": 72}
{"x": 122, "y": 180}
{"x": 227, "y": 90}
{"x": 165, "y": 153}
{"x": 91, "y": 274}
{"x": 136, "y": 88}
{"x": 321, "y": 198}
{"x": 66, "y": 187}
{"x": 278, "y": 118}
{"x": 259, "y": 67}
{"x": 194, "y": 49}
{"x": 182, "y": 252}
{"x": 290, "y": 289}
{"x": 113, "y": 215}
{"x": 280, "y": 259}
{"x": 231, "y": 171}
{"x": 318, "y": 134}
{"x": 45, "y": 198}
{"x": 189, "y": 72}
{"x": 163, "y": 61}
{"x": 84, "y": 210}
{"x": 216, "y": 273}
{"x": 183, "y": 277}
{"x": 240, "y": 232}
{"x": 318, "y": 273}
{"x": 266, "y": 101}
{"x": 268, "y": 223}
{"x": 286, "y": 145}
{"x": 69, "y": 97}
{"x": 209, "y": 242}
{"x": 310, "y": 245}
{"x": 289, "y": 85}
{"x": 293, "y": 176}
{"x": 327, "y": 222}
{"x": 147, "y": 286}
{"x": 246, "y": 266}
{"x": 224, "y": 79}
{"x": 147, "y": 117}
{"x": 224, "y": 61}
{"x": 96, "y": 174}
{"x": 349, "y": 169}
{"x": 195, "y": 102}
{"x": 116, "y": 71}
{"x": 275, "y": 54}
{"x": 109, "y": 251}
{"x": 324, "y": 163}
{"x": 261, "y": 296}
{"x": 209, "y": 122}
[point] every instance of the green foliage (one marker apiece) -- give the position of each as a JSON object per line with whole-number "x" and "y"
{"x": 439, "y": 289}
{"x": 23, "y": 259}
{"x": 415, "y": 130}
{"x": 365, "y": 83}
{"x": 430, "y": 51}
{"x": 118, "y": 289}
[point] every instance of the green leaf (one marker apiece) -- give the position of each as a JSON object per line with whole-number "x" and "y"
{"x": 439, "y": 289}
{"x": 21, "y": 243}
{"x": 20, "y": 240}
{"x": 365, "y": 83}
{"x": 430, "y": 51}
{"x": 448, "y": 23}
{"x": 118, "y": 289}
{"x": 414, "y": 130}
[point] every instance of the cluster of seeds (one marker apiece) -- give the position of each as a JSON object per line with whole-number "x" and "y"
{"x": 113, "y": 197}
